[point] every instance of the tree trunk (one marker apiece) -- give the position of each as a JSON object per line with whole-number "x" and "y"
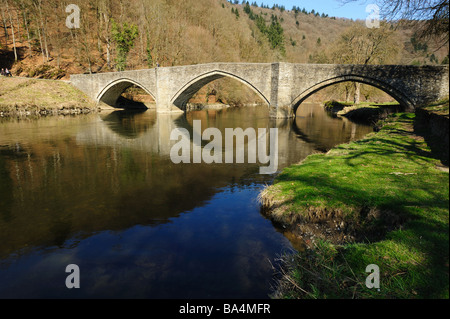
{"x": 45, "y": 40}
{"x": 5, "y": 27}
{"x": 40, "y": 44}
{"x": 43, "y": 34}
{"x": 12, "y": 30}
{"x": 28, "y": 33}
{"x": 347, "y": 93}
{"x": 108, "y": 53}
{"x": 18, "y": 26}
{"x": 107, "y": 20}
{"x": 39, "y": 24}
{"x": 357, "y": 93}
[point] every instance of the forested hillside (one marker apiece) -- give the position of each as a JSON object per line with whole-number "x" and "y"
{"x": 121, "y": 35}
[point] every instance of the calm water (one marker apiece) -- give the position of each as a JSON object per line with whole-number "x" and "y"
{"x": 101, "y": 192}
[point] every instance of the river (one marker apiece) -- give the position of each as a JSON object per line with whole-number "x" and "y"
{"x": 100, "y": 191}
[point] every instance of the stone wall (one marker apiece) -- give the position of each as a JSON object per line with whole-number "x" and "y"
{"x": 435, "y": 129}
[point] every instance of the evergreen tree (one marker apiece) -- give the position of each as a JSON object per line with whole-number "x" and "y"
{"x": 124, "y": 37}
{"x": 247, "y": 8}
{"x": 275, "y": 35}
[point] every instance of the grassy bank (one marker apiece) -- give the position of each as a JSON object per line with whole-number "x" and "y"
{"x": 24, "y": 96}
{"x": 364, "y": 112}
{"x": 382, "y": 200}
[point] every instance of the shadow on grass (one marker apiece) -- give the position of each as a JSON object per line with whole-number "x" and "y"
{"x": 412, "y": 219}
{"x": 435, "y": 130}
{"x": 395, "y": 205}
{"x": 415, "y": 149}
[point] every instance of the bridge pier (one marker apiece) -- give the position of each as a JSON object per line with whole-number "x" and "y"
{"x": 168, "y": 109}
{"x": 281, "y": 112}
{"x": 163, "y": 85}
{"x": 281, "y": 90}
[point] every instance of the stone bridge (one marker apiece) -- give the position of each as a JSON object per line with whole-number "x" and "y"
{"x": 283, "y": 86}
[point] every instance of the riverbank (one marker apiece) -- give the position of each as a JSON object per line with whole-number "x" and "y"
{"x": 35, "y": 97}
{"x": 364, "y": 112}
{"x": 382, "y": 200}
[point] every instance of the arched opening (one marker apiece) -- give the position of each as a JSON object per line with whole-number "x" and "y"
{"x": 217, "y": 89}
{"x": 336, "y": 97}
{"x": 127, "y": 94}
{"x": 404, "y": 102}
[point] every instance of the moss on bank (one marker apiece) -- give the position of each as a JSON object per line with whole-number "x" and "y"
{"x": 24, "y": 96}
{"x": 382, "y": 200}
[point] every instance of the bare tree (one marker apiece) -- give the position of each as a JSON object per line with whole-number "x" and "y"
{"x": 26, "y": 23}
{"x": 12, "y": 29}
{"x": 361, "y": 45}
{"x": 430, "y": 18}
{"x": 40, "y": 28}
{"x": 5, "y": 27}
{"x": 105, "y": 11}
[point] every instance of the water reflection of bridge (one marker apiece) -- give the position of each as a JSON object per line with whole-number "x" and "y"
{"x": 150, "y": 132}
{"x": 133, "y": 130}
{"x": 112, "y": 171}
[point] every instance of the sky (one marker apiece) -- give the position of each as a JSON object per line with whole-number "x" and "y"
{"x": 334, "y": 8}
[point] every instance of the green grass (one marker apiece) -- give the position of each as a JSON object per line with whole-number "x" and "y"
{"x": 388, "y": 190}
{"x": 440, "y": 107}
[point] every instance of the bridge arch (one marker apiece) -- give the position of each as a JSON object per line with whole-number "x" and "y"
{"x": 184, "y": 94}
{"x": 111, "y": 92}
{"x": 401, "y": 97}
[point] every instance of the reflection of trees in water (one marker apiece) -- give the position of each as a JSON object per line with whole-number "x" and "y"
{"x": 313, "y": 125}
{"x": 106, "y": 189}
{"x": 108, "y": 178}
{"x": 6, "y": 190}
{"x": 76, "y": 190}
